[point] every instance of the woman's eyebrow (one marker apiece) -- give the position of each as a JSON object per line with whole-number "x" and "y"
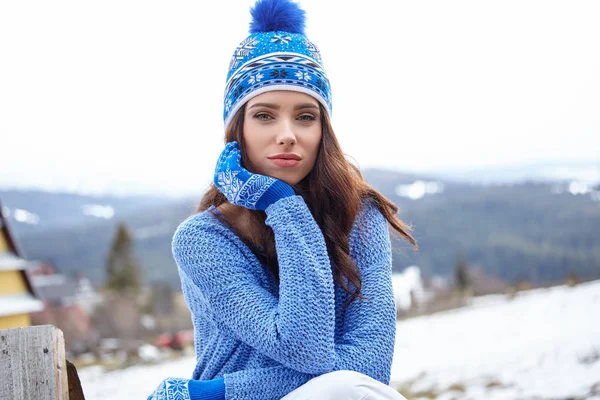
{"x": 306, "y": 105}
{"x": 268, "y": 105}
{"x": 276, "y": 107}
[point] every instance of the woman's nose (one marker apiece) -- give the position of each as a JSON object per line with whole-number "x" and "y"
{"x": 286, "y": 134}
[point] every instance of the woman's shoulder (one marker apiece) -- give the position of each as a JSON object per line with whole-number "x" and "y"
{"x": 369, "y": 221}
{"x": 370, "y": 238}
{"x": 369, "y": 213}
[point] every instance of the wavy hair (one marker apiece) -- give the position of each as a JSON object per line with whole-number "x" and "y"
{"x": 333, "y": 191}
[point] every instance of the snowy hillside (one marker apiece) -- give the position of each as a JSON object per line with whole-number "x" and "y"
{"x": 543, "y": 344}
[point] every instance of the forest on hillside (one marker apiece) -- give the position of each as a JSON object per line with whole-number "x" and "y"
{"x": 517, "y": 232}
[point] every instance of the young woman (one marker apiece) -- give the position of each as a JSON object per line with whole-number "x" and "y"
{"x": 286, "y": 267}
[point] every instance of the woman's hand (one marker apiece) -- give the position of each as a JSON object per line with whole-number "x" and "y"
{"x": 189, "y": 389}
{"x": 171, "y": 388}
{"x": 242, "y": 187}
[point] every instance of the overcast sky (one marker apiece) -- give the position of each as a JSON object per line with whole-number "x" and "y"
{"x": 129, "y": 93}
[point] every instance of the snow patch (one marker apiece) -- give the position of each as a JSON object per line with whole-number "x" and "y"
{"x": 24, "y": 216}
{"x": 418, "y": 189}
{"x": 577, "y": 188}
{"x": 407, "y": 282}
{"x": 99, "y": 211}
{"x": 152, "y": 231}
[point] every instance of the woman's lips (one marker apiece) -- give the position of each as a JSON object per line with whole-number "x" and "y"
{"x": 284, "y": 163}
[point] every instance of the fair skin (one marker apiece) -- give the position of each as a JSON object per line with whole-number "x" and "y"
{"x": 278, "y": 122}
{"x": 282, "y": 122}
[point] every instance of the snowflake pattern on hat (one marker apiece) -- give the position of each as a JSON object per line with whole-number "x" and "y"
{"x": 314, "y": 51}
{"x": 281, "y": 39}
{"x": 268, "y": 61}
{"x": 243, "y": 50}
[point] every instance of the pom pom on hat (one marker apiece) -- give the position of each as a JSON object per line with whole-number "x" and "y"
{"x": 277, "y": 15}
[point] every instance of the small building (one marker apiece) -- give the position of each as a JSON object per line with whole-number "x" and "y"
{"x": 18, "y": 297}
{"x": 62, "y": 306}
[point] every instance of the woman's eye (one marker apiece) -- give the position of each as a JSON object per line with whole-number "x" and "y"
{"x": 307, "y": 117}
{"x": 262, "y": 116}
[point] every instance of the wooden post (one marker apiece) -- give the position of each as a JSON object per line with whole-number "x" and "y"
{"x": 75, "y": 389}
{"x": 32, "y": 364}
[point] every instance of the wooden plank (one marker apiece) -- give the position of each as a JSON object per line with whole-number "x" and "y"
{"x": 75, "y": 389}
{"x": 33, "y": 365}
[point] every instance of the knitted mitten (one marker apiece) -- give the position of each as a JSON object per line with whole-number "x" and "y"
{"x": 186, "y": 389}
{"x": 243, "y": 188}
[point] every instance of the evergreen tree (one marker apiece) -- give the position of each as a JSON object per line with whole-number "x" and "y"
{"x": 462, "y": 281}
{"x": 162, "y": 301}
{"x": 124, "y": 274}
{"x": 572, "y": 279}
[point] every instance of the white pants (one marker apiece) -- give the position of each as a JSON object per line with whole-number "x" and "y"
{"x": 342, "y": 385}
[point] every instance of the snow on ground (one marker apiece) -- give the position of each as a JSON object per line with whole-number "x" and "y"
{"x": 543, "y": 344}
{"x": 132, "y": 383}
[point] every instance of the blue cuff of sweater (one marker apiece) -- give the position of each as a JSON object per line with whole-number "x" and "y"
{"x": 277, "y": 191}
{"x": 207, "y": 390}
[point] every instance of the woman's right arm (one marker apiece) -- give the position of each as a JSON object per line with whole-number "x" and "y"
{"x": 297, "y": 327}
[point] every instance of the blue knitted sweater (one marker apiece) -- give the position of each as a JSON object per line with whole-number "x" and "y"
{"x": 267, "y": 339}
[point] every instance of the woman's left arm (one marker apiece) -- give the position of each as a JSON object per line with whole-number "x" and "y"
{"x": 367, "y": 342}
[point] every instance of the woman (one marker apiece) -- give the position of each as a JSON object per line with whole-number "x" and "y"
{"x": 286, "y": 267}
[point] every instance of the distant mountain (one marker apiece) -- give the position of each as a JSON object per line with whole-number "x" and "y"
{"x": 535, "y": 231}
{"x": 539, "y": 232}
{"x": 35, "y": 211}
{"x": 585, "y": 171}
{"x": 546, "y": 171}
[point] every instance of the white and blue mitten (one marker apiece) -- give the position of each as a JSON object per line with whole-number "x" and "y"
{"x": 244, "y": 188}
{"x": 189, "y": 389}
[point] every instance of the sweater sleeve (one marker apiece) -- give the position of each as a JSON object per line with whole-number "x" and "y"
{"x": 269, "y": 383}
{"x": 295, "y": 328}
{"x": 367, "y": 343}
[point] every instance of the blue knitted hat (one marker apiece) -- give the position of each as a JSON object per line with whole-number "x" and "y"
{"x": 276, "y": 56}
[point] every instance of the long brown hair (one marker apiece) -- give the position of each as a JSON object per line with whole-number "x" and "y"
{"x": 333, "y": 191}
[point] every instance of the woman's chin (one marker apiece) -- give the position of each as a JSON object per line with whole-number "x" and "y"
{"x": 290, "y": 177}
{"x": 287, "y": 180}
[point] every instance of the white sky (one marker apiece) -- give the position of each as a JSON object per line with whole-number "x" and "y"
{"x": 129, "y": 93}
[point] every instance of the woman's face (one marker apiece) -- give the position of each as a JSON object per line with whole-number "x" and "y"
{"x": 282, "y": 133}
